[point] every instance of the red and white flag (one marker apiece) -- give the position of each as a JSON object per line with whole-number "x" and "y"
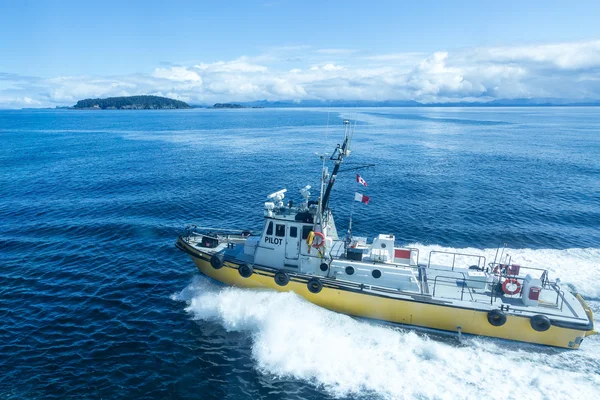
{"x": 360, "y": 180}
{"x": 362, "y": 198}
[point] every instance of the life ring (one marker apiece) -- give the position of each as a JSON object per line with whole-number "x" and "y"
{"x": 540, "y": 323}
{"x": 281, "y": 278}
{"x": 216, "y": 261}
{"x": 496, "y": 317}
{"x": 245, "y": 270}
{"x": 319, "y": 243}
{"x": 511, "y": 281}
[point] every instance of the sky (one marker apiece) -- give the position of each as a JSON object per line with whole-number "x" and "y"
{"x": 53, "y": 53}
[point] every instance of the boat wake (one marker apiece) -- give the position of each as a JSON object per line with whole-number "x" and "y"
{"x": 294, "y": 339}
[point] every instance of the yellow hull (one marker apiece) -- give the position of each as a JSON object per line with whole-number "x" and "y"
{"x": 360, "y": 304}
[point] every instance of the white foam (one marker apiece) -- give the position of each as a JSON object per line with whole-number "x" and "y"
{"x": 348, "y": 357}
{"x": 577, "y": 267}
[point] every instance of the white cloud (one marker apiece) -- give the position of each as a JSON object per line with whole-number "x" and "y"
{"x": 179, "y": 74}
{"x": 332, "y": 67}
{"x": 239, "y": 65}
{"x": 336, "y": 51}
{"x": 564, "y": 55}
{"x": 405, "y": 57}
{"x": 563, "y": 70}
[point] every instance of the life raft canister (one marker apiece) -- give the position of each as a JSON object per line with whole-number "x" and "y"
{"x": 511, "y": 282}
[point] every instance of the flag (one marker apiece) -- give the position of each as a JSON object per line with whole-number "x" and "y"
{"x": 360, "y": 180}
{"x": 361, "y": 198}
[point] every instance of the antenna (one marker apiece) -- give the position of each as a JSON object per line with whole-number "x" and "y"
{"x": 277, "y": 197}
{"x": 306, "y": 194}
{"x": 337, "y": 157}
{"x": 327, "y": 130}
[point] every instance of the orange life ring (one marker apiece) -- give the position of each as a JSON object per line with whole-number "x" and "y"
{"x": 319, "y": 243}
{"x": 511, "y": 281}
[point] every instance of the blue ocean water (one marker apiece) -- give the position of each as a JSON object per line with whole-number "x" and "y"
{"x": 95, "y": 301}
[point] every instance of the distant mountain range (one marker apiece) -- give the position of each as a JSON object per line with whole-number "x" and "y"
{"x": 160, "y": 103}
{"x": 540, "y": 102}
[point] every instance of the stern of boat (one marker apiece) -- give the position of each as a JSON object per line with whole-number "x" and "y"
{"x": 590, "y": 315}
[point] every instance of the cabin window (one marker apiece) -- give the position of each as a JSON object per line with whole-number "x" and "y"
{"x": 293, "y": 231}
{"x": 306, "y": 230}
{"x": 280, "y": 230}
{"x": 270, "y": 228}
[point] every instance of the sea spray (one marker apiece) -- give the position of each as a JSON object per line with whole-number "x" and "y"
{"x": 292, "y": 338}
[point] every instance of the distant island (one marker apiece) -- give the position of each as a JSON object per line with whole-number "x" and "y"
{"x": 233, "y": 105}
{"x": 228, "y": 105}
{"x": 131, "y": 103}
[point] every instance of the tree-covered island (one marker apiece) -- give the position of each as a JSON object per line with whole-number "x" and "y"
{"x": 130, "y": 103}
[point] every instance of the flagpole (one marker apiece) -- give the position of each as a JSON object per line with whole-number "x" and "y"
{"x": 350, "y": 224}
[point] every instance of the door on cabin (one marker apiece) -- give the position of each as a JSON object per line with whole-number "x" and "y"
{"x": 292, "y": 244}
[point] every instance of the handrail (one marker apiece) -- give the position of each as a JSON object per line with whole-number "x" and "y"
{"x": 454, "y": 257}
{"x": 454, "y": 279}
{"x": 545, "y": 277}
{"x": 493, "y": 264}
{"x": 338, "y": 244}
{"x": 206, "y": 228}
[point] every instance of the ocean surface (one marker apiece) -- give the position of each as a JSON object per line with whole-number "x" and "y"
{"x": 96, "y": 302}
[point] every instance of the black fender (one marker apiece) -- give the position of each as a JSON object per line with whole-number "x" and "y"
{"x": 245, "y": 270}
{"x": 314, "y": 285}
{"x": 216, "y": 261}
{"x": 281, "y": 278}
{"x": 496, "y": 317}
{"x": 540, "y": 323}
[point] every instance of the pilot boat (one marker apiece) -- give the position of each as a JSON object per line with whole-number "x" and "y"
{"x": 299, "y": 250}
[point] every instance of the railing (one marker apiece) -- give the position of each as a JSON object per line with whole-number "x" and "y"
{"x": 336, "y": 248}
{"x": 480, "y": 265}
{"x": 454, "y": 280}
{"x": 497, "y": 291}
{"x": 560, "y": 294}
{"x": 494, "y": 288}
{"x": 543, "y": 277}
{"x": 227, "y": 236}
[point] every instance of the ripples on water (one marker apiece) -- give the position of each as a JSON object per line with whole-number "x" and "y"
{"x": 96, "y": 302}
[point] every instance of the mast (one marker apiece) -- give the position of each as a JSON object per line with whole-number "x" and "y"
{"x": 338, "y": 157}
